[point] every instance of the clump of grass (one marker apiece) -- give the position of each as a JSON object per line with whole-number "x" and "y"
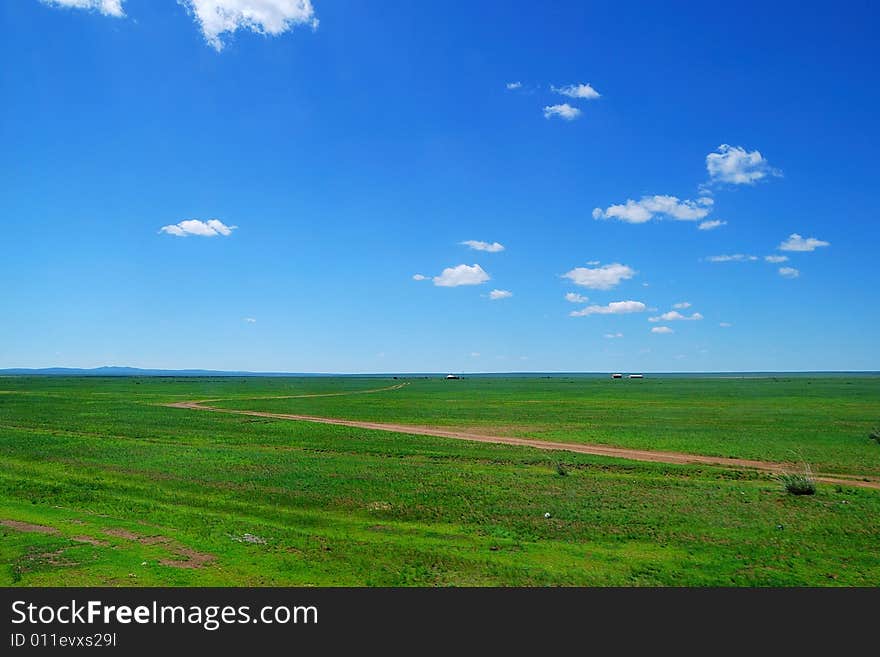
{"x": 799, "y": 483}
{"x": 561, "y": 470}
{"x": 875, "y": 435}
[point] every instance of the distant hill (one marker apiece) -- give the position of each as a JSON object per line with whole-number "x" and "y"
{"x": 133, "y": 371}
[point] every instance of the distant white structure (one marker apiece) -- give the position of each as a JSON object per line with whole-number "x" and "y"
{"x": 452, "y": 376}
{"x": 617, "y": 376}
{"x": 637, "y": 376}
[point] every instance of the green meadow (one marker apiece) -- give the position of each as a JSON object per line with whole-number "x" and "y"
{"x": 100, "y": 484}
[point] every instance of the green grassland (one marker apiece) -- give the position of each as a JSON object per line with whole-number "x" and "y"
{"x": 102, "y": 485}
{"x": 825, "y": 421}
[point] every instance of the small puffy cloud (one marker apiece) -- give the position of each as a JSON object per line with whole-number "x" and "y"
{"x": 475, "y": 354}
{"x": 266, "y": 17}
{"x": 797, "y": 243}
{"x": 106, "y": 7}
{"x": 639, "y": 212}
{"x": 600, "y": 278}
{"x": 419, "y": 277}
{"x": 250, "y": 320}
{"x": 711, "y": 224}
{"x": 584, "y": 91}
{"x": 476, "y": 245}
{"x": 513, "y": 85}
{"x": 574, "y": 297}
{"x": 631, "y": 212}
{"x": 662, "y": 330}
{"x": 210, "y": 228}
{"x": 461, "y": 275}
{"x": 776, "y": 258}
{"x": 564, "y": 111}
{"x": 725, "y": 324}
{"x": 681, "y": 305}
{"x": 613, "y": 336}
{"x": 734, "y": 165}
{"x": 613, "y": 308}
{"x": 494, "y": 295}
{"x": 674, "y": 315}
{"x": 789, "y": 272}
{"x": 736, "y": 257}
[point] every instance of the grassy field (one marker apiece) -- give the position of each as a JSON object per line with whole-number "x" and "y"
{"x": 102, "y": 485}
{"x": 823, "y": 421}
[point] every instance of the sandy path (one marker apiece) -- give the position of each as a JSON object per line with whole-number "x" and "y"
{"x": 595, "y": 450}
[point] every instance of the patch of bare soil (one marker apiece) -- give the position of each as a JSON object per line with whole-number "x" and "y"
{"x": 189, "y": 558}
{"x": 28, "y": 527}
{"x": 180, "y": 555}
{"x": 56, "y": 558}
{"x": 18, "y": 525}
{"x": 122, "y": 533}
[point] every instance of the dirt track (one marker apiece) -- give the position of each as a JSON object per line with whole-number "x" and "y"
{"x": 578, "y": 448}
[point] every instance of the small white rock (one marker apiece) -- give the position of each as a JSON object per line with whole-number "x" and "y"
{"x": 547, "y": 515}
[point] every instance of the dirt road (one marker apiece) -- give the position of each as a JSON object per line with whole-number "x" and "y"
{"x": 578, "y": 448}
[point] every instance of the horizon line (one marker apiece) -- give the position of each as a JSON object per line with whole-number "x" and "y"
{"x": 160, "y": 371}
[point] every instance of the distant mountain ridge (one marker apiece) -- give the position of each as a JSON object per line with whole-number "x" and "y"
{"x": 134, "y": 371}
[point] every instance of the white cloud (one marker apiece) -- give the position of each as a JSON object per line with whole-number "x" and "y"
{"x": 725, "y": 324}
{"x": 476, "y": 245}
{"x": 210, "y": 228}
{"x": 584, "y": 91}
{"x": 475, "y": 354}
{"x": 797, "y": 243}
{"x": 613, "y": 336}
{"x": 461, "y": 275}
{"x": 736, "y": 257}
{"x": 267, "y": 17}
{"x": 600, "y": 278}
{"x": 574, "y": 297}
{"x": 613, "y": 308}
{"x": 789, "y": 272}
{"x": 638, "y": 212}
{"x": 250, "y": 320}
{"x": 674, "y": 315}
{"x": 593, "y": 263}
{"x": 732, "y": 164}
{"x": 564, "y": 111}
{"x": 712, "y": 224}
{"x": 419, "y": 277}
{"x": 662, "y": 330}
{"x": 513, "y": 85}
{"x": 776, "y": 258}
{"x": 494, "y": 295}
{"x": 681, "y": 305}
{"x": 106, "y": 7}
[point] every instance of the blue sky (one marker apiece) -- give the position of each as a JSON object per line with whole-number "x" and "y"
{"x": 347, "y": 146}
